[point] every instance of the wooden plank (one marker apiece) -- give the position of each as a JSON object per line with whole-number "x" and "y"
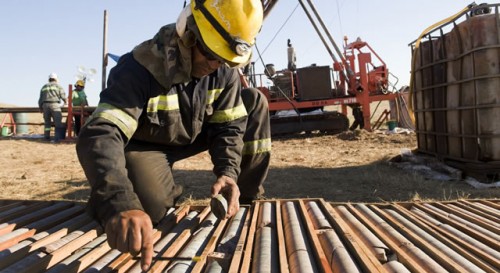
{"x": 210, "y": 247}
{"x": 318, "y": 252}
{"x": 463, "y": 214}
{"x": 19, "y": 251}
{"x": 428, "y": 248}
{"x": 159, "y": 263}
{"x": 247, "y": 257}
{"x": 429, "y": 228}
{"x": 370, "y": 262}
{"x": 238, "y": 253}
{"x": 436, "y": 212}
{"x": 452, "y": 236}
{"x": 283, "y": 258}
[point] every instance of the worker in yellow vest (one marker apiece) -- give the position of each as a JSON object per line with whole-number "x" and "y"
{"x": 79, "y": 100}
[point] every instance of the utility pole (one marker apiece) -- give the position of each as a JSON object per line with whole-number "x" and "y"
{"x": 104, "y": 49}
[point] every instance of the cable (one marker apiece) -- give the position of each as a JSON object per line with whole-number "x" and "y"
{"x": 279, "y": 30}
{"x": 279, "y": 89}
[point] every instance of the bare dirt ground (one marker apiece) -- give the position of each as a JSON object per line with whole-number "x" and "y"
{"x": 350, "y": 167}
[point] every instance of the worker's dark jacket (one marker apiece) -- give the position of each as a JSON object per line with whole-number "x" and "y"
{"x": 51, "y": 92}
{"x": 151, "y": 97}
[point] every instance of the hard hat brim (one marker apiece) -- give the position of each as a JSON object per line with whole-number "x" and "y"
{"x": 215, "y": 42}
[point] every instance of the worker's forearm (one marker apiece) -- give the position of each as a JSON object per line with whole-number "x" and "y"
{"x": 101, "y": 154}
{"x": 226, "y": 148}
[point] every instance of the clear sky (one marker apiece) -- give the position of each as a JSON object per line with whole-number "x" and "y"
{"x": 40, "y": 37}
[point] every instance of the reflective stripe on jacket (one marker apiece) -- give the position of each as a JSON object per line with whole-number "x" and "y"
{"x": 51, "y": 92}
{"x": 138, "y": 105}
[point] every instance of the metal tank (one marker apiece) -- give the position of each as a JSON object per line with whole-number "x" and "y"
{"x": 456, "y": 91}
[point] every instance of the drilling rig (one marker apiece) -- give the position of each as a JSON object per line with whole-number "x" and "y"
{"x": 356, "y": 78}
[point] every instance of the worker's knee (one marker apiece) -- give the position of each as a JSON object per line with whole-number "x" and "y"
{"x": 157, "y": 201}
{"x": 154, "y": 186}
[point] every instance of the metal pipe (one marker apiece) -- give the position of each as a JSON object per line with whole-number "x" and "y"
{"x": 374, "y": 244}
{"x": 462, "y": 238}
{"x": 338, "y": 256}
{"x": 265, "y": 258}
{"x": 299, "y": 257}
{"x": 396, "y": 267}
{"x": 325, "y": 29}
{"x": 318, "y": 31}
{"x": 422, "y": 258}
{"x": 197, "y": 242}
{"x": 231, "y": 236}
{"x": 318, "y": 218}
{"x": 463, "y": 222}
{"x": 266, "y": 216}
{"x": 450, "y": 253}
{"x": 71, "y": 263}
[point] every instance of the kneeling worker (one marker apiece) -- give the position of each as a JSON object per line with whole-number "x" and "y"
{"x": 172, "y": 97}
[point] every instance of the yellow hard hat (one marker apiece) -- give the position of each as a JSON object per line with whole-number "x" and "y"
{"x": 80, "y": 83}
{"x": 228, "y": 28}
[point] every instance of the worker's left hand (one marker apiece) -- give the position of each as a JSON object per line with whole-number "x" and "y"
{"x": 226, "y": 186}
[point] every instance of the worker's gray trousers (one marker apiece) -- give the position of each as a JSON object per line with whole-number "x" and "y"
{"x": 150, "y": 166}
{"x": 51, "y": 110}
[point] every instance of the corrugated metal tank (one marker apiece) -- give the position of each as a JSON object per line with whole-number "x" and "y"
{"x": 456, "y": 92}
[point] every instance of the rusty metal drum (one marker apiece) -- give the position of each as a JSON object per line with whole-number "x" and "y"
{"x": 456, "y": 92}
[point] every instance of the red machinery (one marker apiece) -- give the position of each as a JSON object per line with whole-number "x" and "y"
{"x": 358, "y": 77}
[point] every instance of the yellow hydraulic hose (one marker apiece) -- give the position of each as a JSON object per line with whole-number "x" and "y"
{"x": 417, "y": 44}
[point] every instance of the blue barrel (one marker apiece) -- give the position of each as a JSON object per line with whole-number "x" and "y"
{"x": 21, "y": 119}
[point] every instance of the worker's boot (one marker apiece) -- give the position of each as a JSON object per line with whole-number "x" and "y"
{"x": 60, "y": 133}
{"x": 46, "y": 134}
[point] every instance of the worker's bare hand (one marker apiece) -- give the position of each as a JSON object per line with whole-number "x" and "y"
{"x": 132, "y": 231}
{"x": 226, "y": 186}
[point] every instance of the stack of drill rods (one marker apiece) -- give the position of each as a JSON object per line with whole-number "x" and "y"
{"x": 16, "y": 251}
{"x": 482, "y": 231}
{"x": 53, "y": 253}
{"x": 335, "y": 251}
{"x": 179, "y": 239}
{"x": 459, "y": 236}
{"x": 228, "y": 243}
{"x": 24, "y": 223}
{"x": 488, "y": 220}
{"x": 298, "y": 249}
{"x": 425, "y": 261}
{"x": 465, "y": 264}
{"x": 374, "y": 245}
{"x": 265, "y": 249}
{"x": 197, "y": 243}
{"x": 476, "y": 245}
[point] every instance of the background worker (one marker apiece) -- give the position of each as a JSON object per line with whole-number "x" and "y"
{"x": 79, "y": 100}
{"x": 49, "y": 103}
{"x": 172, "y": 97}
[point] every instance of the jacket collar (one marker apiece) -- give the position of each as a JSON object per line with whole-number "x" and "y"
{"x": 167, "y": 56}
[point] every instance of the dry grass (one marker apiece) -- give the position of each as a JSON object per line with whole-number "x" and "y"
{"x": 338, "y": 168}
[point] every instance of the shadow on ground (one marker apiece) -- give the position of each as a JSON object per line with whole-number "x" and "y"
{"x": 377, "y": 182}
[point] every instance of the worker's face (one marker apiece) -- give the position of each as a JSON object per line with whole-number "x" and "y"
{"x": 203, "y": 62}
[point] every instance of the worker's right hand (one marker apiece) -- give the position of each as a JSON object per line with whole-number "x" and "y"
{"x": 226, "y": 186}
{"x": 131, "y": 231}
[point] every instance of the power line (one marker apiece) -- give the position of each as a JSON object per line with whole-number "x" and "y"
{"x": 283, "y": 25}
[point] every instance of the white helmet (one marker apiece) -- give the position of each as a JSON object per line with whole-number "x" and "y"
{"x": 53, "y": 76}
